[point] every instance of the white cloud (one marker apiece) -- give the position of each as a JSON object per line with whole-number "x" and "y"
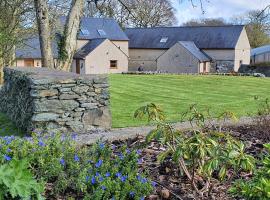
{"x": 217, "y": 8}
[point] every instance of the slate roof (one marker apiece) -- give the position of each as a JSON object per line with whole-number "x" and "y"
{"x": 92, "y": 25}
{"x": 31, "y": 47}
{"x": 204, "y": 37}
{"x": 194, "y": 50}
{"x": 260, "y": 50}
{"x": 88, "y": 48}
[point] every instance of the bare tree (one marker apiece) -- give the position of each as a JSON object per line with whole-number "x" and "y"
{"x": 14, "y": 20}
{"x": 206, "y": 22}
{"x": 257, "y": 26}
{"x": 44, "y": 33}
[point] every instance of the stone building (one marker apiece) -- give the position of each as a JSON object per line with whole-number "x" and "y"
{"x": 102, "y": 47}
{"x": 188, "y": 49}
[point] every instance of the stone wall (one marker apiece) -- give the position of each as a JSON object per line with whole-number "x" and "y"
{"x": 55, "y": 100}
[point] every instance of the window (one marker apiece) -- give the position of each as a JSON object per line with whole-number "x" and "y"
{"x": 113, "y": 64}
{"x": 85, "y": 31}
{"x": 101, "y": 32}
{"x": 164, "y": 39}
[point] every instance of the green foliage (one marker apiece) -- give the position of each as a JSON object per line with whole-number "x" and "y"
{"x": 16, "y": 181}
{"x": 99, "y": 172}
{"x": 258, "y": 187}
{"x": 200, "y": 153}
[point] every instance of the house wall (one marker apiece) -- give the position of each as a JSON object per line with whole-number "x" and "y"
{"x": 123, "y": 45}
{"x": 242, "y": 51}
{"x": 146, "y": 58}
{"x": 178, "y": 60}
{"x": 98, "y": 61}
{"x": 81, "y": 43}
{"x": 20, "y": 63}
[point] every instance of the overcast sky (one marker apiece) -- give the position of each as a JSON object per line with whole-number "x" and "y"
{"x": 216, "y": 8}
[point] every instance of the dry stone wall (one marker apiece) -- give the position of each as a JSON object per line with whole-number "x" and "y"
{"x": 55, "y": 100}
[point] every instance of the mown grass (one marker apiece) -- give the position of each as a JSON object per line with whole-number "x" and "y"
{"x": 175, "y": 93}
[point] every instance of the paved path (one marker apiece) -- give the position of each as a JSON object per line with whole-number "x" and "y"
{"x": 126, "y": 133}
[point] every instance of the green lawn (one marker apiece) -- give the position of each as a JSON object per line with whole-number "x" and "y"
{"x": 174, "y": 93}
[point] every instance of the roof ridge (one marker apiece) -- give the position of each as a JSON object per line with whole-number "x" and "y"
{"x": 215, "y": 26}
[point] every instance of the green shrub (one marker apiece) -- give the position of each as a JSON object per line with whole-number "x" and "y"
{"x": 202, "y": 155}
{"x": 259, "y": 186}
{"x": 16, "y": 181}
{"x": 95, "y": 173}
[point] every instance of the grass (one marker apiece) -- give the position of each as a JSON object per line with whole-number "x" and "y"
{"x": 175, "y": 93}
{"x": 7, "y": 127}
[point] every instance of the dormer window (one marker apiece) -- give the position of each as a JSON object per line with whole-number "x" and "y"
{"x": 164, "y": 39}
{"x": 84, "y": 31}
{"x": 101, "y": 32}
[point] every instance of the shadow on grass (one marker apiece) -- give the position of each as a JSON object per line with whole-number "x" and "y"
{"x": 7, "y": 128}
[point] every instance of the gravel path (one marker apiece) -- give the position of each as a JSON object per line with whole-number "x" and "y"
{"x": 132, "y": 132}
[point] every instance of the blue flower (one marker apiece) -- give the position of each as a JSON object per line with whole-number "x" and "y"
{"x": 144, "y": 180}
{"x": 8, "y": 150}
{"x": 103, "y": 187}
{"x": 108, "y": 174}
{"x": 99, "y": 163}
{"x": 62, "y": 161}
{"x": 127, "y": 151}
{"x": 101, "y": 179}
{"x": 7, "y": 158}
{"x": 87, "y": 178}
{"x": 74, "y": 136}
{"x": 140, "y": 161}
{"x": 93, "y": 180}
{"x": 97, "y": 174}
{"x": 154, "y": 184}
{"x": 132, "y": 194}
{"x": 139, "y": 152}
{"x": 113, "y": 147}
{"x": 101, "y": 145}
{"x": 118, "y": 174}
{"x": 121, "y": 156}
{"x": 123, "y": 178}
{"x": 142, "y": 198}
{"x": 76, "y": 158}
{"x": 41, "y": 143}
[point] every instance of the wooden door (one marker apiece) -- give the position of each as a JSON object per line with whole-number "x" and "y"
{"x": 78, "y": 67}
{"x": 29, "y": 62}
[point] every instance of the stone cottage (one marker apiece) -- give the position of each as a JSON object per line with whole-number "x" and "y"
{"x": 102, "y": 47}
{"x": 188, "y": 49}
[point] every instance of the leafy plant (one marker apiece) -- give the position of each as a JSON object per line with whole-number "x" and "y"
{"x": 16, "y": 181}
{"x": 97, "y": 172}
{"x": 200, "y": 154}
{"x": 258, "y": 187}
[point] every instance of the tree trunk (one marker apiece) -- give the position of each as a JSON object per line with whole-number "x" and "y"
{"x": 44, "y": 33}
{"x": 69, "y": 39}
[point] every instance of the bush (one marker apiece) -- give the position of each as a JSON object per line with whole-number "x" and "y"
{"x": 99, "y": 172}
{"x": 203, "y": 155}
{"x": 259, "y": 186}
